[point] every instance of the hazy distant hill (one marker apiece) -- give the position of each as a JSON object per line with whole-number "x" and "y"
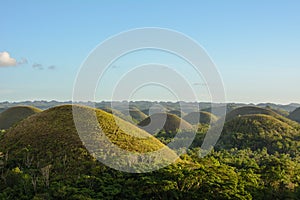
{"x": 290, "y": 107}
{"x": 135, "y": 114}
{"x": 295, "y": 115}
{"x": 13, "y": 115}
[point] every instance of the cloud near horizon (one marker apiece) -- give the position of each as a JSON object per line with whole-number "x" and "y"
{"x": 6, "y": 60}
{"x": 22, "y": 61}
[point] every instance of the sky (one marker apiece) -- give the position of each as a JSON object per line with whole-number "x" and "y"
{"x": 255, "y": 46}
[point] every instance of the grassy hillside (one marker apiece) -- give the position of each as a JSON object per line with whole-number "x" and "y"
{"x": 172, "y": 123}
{"x": 176, "y": 112}
{"x": 51, "y": 136}
{"x": 13, "y": 115}
{"x": 201, "y": 117}
{"x": 42, "y": 157}
{"x": 258, "y": 131}
{"x": 249, "y": 110}
{"x": 295, "y": 115}
{"x": 135, "y": 114}
{"x": 116, "y": 113}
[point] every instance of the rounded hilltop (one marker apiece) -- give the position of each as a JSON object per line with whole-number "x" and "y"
{"x": 51, "y": 136}
{"x": 171, "y": 123}
{"x": 135, "y": 114}
{"x": 250, "y": 110}
{"x": 258, "y": 131}
{"x": 201, "y": 117}
{"x": 13, "y": 115}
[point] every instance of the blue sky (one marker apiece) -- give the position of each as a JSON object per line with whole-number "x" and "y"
{"x": 255, "y": 44}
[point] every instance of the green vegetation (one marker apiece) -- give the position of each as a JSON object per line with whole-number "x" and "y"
{"x": 61, "y": 135}
{"x": 250, "y": 110}
{"x": 13, "y": 115}
{"x": 201, "y": 117}
{"x": 260, "y": 131}
{"x": 42, "y": 157}
{"x": 278, "y": 111}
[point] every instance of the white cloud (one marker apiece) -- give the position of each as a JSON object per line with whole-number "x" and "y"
{"x": 6, "y": 60}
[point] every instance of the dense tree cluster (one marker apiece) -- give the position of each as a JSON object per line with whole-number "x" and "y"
{"x": 225, "y": 174}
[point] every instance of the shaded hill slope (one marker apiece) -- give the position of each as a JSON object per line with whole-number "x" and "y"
{"x": 135, "y": 114}
{"x": 170, "y": 123}
{"x": 200, "y": 117}
{"x": 295, "y": 115}
{"x": 249, "y": 110}
{"x": 176, "y": 112}
{"x": 12, "y": 115}
{"x": 258, "y": 131}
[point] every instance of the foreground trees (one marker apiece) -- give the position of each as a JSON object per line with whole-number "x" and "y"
{"x": 226, "y": 174}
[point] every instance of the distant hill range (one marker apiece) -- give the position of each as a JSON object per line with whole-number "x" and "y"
{"x": 145, "y": 105}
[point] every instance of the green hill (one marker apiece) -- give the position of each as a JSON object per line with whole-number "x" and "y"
{"x": 249, "y": 110}
{"x": 258, "y": 131}
{"x": 13, "y": 115}
{"x": 295, "y": 115}
{"x": 135, "y": 114}
{"x": 51, "y": 136}
{"x": 201, "y": 117}
{"x": 172, "y": 123}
